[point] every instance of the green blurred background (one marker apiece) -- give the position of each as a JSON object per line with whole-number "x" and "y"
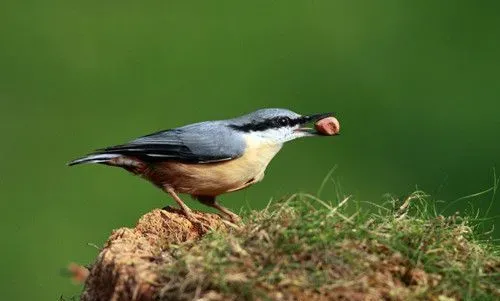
{"x": 415, "y": 84}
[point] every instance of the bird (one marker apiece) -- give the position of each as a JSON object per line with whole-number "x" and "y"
{"x": 209, "y": 158}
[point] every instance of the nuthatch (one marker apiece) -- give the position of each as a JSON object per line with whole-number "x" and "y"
{"x": 210, "y": 158}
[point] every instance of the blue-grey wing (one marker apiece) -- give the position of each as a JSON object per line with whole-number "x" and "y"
{"x": 204, "y": 142}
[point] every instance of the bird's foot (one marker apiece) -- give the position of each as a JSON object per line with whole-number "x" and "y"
{"x": 198, "y": 221}
{"x": 233, "y": 217}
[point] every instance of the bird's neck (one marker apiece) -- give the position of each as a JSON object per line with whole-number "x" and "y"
{"x": 262, "y": 149}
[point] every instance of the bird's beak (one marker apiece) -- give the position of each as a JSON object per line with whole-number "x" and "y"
{"x": 317, "y": 117}
{"x": 310, "y": 119}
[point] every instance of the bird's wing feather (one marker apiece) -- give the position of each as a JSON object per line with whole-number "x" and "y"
{"x": 197, "y": 143}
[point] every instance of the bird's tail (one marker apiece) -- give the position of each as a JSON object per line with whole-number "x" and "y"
{"x": 94, "y": 158}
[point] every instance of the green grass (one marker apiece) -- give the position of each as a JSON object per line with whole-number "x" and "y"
{"x": 307, "y": 248}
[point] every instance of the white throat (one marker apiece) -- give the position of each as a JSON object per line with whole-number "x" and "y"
{"x": 275, "y": 136}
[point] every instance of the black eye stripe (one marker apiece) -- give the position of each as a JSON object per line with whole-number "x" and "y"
{"x": 283, "y": 121}
{"x": 270, "y": 123}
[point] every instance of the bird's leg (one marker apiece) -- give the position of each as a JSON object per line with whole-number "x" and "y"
{"x": 202, "y": 227}
{"x": 210, "y": 201}
{"x": 177, "y": 199}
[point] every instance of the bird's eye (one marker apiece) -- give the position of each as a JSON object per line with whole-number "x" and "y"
{"x": 284, "y": 121}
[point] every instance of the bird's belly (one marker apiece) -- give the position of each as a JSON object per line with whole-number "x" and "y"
{"x": 211, "y": 179}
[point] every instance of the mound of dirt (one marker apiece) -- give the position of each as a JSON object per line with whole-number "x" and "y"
{"x": 127, "y": 266}
{"x": 292, "y": 250}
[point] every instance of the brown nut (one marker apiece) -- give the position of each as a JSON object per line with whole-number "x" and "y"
{"x": 328, "y": 126}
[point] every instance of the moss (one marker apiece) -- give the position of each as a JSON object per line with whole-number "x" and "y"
{"x": 303, "y": 246}
{"x": 309, "y": 249}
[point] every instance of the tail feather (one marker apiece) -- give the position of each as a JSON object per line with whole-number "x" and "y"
{"x": 94, "y": 158}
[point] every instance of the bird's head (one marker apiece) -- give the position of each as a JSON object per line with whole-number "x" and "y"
{"x": 277, "y": 125}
